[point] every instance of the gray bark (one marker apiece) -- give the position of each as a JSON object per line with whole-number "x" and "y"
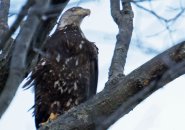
{"x": 17, "y": 67}
{"x": 4, "y": 9}
{"x": 127, "y": 93}
{"x": 124, "y": 19}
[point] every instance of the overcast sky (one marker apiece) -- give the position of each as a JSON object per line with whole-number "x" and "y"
{"x": 163, "y": 110}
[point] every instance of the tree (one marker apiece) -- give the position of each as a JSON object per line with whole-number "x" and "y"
{"x": 121, "y": 94}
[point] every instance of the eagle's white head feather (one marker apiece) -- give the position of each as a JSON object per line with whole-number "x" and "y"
{"x": 73, "y": 16}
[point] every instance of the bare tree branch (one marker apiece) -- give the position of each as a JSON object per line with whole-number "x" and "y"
{"x": 141, "y": 95}
{"x": 7, "y": 46}
{"x": 124, "y": 20}
{"x": 145, "y": 80}
{"x": 182, "y": 10}
{"x": 34, "y": 31}
{"x": 4, "y": 60}
{"x": 16, "y": 24}
{"x": 4, "y": 9}
{"x": 167, "y": 22}
{"x": 17, "y": 67}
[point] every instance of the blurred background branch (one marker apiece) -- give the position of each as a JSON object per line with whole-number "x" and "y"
{"x": 4, "y": 9}
{"x": 23, "y": 47}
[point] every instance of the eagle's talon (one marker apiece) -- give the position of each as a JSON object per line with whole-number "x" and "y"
{"x": 52, "y": 117}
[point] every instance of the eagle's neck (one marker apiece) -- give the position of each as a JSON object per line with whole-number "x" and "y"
{"x": 72, "y": 29}
{"x": 68, "y": 22}
{"x": 63, "y": 25}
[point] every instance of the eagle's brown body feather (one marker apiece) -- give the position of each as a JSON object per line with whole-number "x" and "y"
{"x": 68, "y": 74}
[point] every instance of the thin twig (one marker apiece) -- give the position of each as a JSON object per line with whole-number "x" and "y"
{"x": 164, "y": 20}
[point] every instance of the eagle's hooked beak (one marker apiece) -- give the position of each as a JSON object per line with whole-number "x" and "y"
{"x": 84, "y": 12}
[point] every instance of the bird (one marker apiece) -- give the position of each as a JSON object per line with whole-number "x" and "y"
{"x": 66, "y": 74}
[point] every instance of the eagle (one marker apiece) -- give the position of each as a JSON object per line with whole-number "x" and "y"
{"x": 67, "y": 72}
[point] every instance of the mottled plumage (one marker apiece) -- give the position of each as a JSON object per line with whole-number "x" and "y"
{"x": 67, "y": 75}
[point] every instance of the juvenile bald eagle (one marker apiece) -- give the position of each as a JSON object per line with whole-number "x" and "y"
{"x": 67, "y": 75}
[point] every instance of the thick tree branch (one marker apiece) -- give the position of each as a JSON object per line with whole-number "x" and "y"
{"x": 145, "y": 80}
{"x": 17, "y": 67}
{"x": 130, "y": 104}
{"x": 124, "y": 19}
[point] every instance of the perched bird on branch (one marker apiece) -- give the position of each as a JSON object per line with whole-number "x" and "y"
{"x": 68, "y": 72}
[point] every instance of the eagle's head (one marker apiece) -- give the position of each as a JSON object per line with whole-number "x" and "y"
{"x": 73, "y": 16}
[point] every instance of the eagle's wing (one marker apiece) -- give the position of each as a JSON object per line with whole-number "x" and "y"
{"x": 41, "y": 108}
{"x": 91, "y": 90}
